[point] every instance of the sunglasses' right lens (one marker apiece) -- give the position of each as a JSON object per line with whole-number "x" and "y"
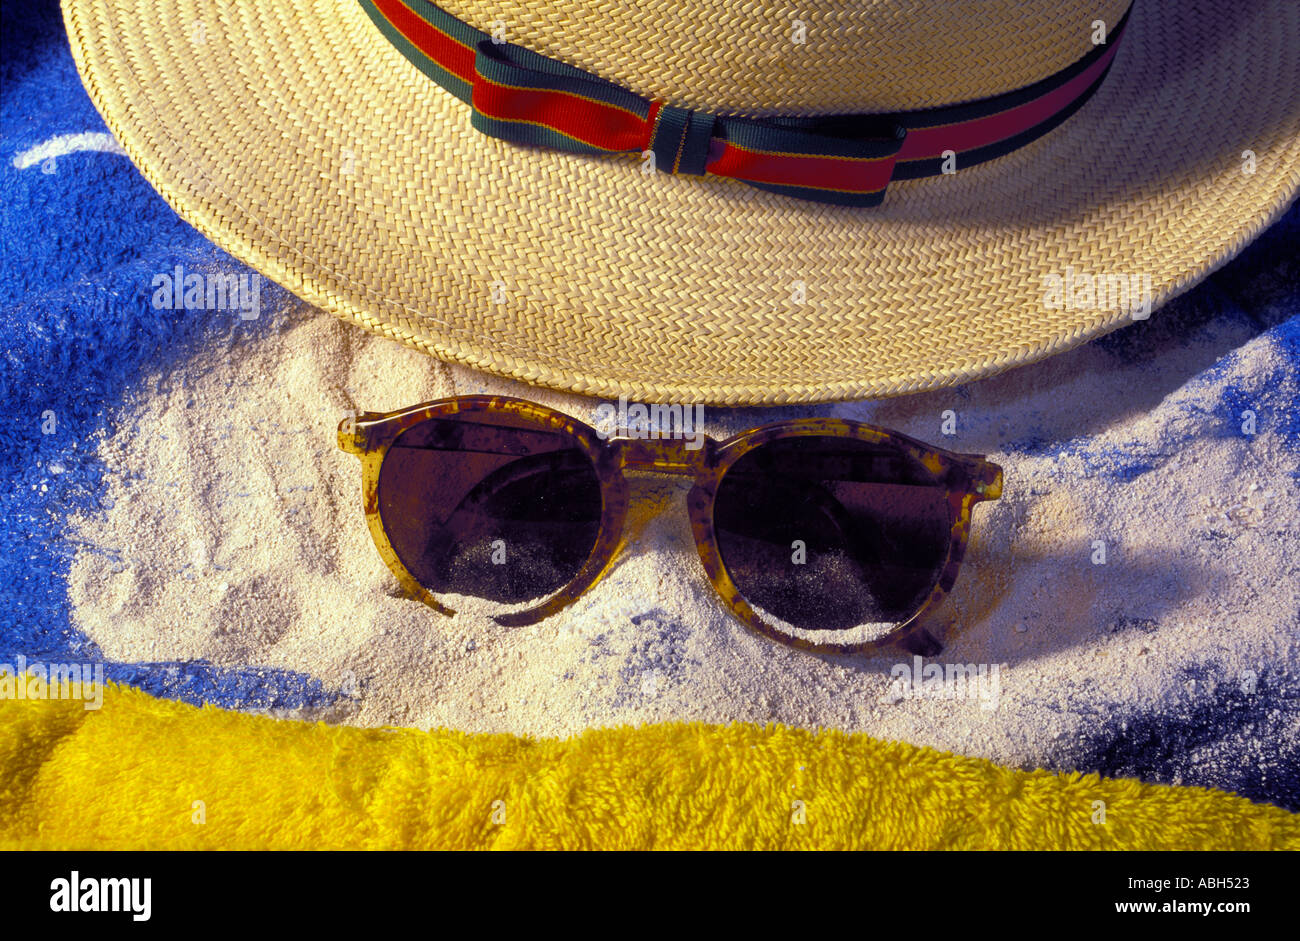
{"x": 831, "y": 533}
{"x": 490, "y": 506}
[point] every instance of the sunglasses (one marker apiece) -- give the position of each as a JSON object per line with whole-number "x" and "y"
{"x": 827, "y": 535}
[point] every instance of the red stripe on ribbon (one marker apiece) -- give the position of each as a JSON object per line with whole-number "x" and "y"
{"x": 926, "y": 142}
{"x": 438, "y": 46}
{"x": 835, "y": 173}
{"x": 592, "y": 122}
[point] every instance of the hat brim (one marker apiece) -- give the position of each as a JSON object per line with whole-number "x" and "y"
{"x": 298, "y": 139}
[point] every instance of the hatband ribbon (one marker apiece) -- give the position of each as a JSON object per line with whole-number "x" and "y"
{"x": 524, "y": 97}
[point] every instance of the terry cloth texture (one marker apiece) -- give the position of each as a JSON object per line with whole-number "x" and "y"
{"x": 180, "y": 779}
{"x": 82, "y": 235}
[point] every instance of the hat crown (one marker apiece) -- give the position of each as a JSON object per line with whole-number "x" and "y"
{"x": 814, "y": 56}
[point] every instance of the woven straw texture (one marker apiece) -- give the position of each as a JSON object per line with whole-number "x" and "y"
{"x": 741, "y": 56}
{"x": 298, "y": 139}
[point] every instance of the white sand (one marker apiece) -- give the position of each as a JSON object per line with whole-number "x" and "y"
{"x": 241, "y": 540}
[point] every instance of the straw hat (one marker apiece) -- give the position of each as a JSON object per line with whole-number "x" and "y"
{"x": 322, "y": 143}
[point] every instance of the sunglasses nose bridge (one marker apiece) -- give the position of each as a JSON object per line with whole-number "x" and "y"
{"x": 683, "y": 457}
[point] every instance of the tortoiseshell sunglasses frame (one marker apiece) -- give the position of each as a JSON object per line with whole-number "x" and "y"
{"x": 967, "y": 478}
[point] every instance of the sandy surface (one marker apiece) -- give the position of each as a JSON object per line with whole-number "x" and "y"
{"x": 235, "y": 534}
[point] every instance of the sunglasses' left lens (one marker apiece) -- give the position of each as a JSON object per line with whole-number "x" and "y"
{"x": 487, "y": 505}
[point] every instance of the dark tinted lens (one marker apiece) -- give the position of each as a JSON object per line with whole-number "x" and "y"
{"x": 832, "y": 533}
{"x": 483, "y": 506}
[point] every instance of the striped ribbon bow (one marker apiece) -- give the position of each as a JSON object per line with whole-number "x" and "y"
{"x": 523, "y": 97}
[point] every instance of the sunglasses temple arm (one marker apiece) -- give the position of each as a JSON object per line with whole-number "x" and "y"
{"x": 988, "y": 484}
{"x": 985, "y": 477}
{"x": 352, "y": 434}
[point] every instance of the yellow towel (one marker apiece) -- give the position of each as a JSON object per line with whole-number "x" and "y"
{"x": 149, "y": 773}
